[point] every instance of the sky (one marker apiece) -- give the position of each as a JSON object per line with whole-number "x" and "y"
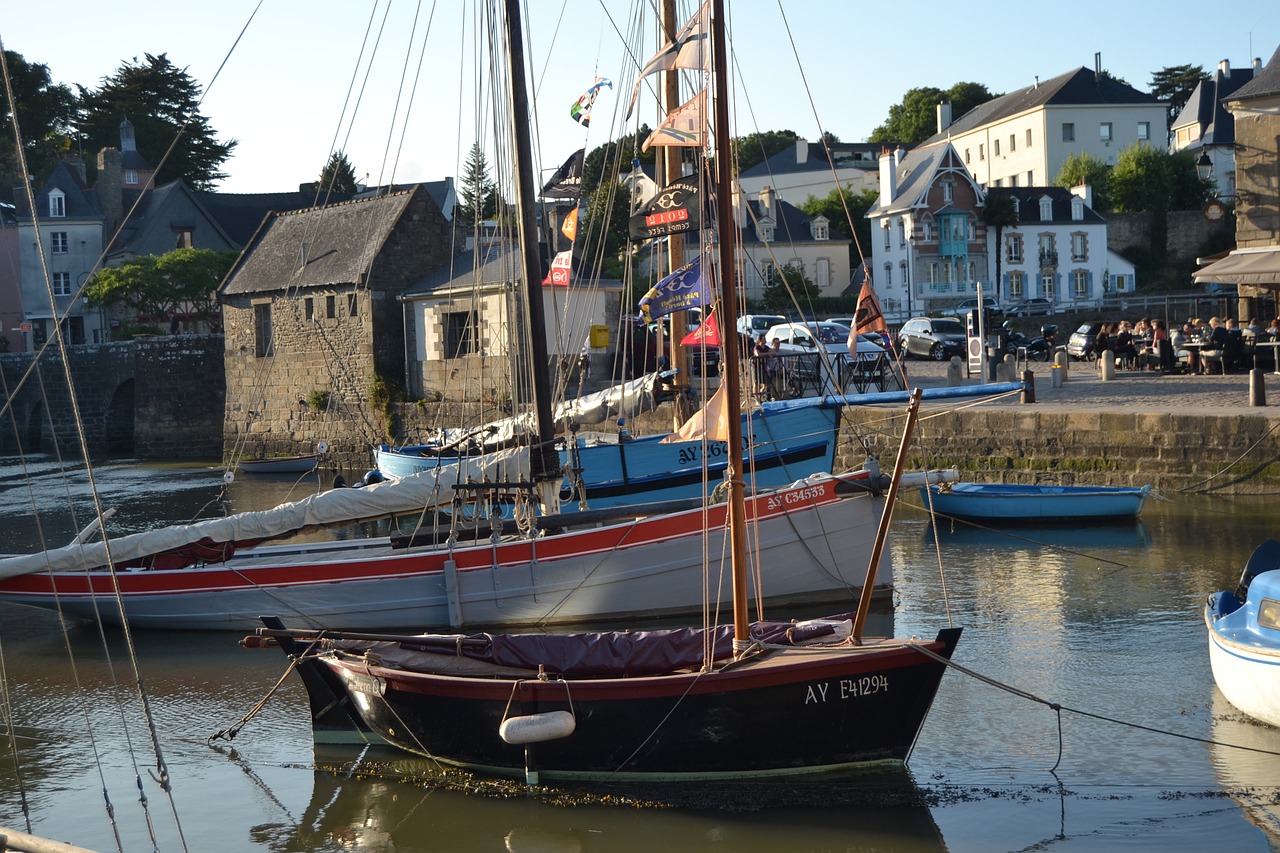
{"x": 282, "y": 89}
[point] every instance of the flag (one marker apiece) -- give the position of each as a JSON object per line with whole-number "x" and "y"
{"x": 708, "y": 334}
{"x": 683, "y": 289}
{"x": 567, "y": 181}
{"x": 581, "y": 109}
{"x": 675, "y": 208}
{"x": 709, "y": 422}
{"x": 569, "y": 227}
{"x": 560, "y": 269}
{"x": 690, "y": 50}
{"x": 867, "y": 317}
{"x": 684, "y": 126}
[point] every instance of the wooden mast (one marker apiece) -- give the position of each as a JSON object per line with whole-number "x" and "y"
{"x": 544, "y": 461}
{"x": 675, "y": 242}
{"x": 726, "y": 269}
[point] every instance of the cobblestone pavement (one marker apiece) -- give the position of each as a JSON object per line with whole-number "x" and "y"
{"x": 1130, "y": 391}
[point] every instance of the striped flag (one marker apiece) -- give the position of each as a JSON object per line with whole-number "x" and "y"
{"x": 685, "y": 126}
{"x": 691, "y": 49}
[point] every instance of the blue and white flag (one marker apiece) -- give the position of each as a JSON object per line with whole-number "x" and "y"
{"x": 683, "y": 289}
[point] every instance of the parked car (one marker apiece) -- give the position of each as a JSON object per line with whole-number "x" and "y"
{"x": 641, "y": 342}
{"x": 753, "y": 324}
{"x": 964, "y": 306}
{"x": 937, "y": 338}
{"x": 828, "y": 340}
{"x": 1080, "y": 344}
{"x": 1031, "y": 307}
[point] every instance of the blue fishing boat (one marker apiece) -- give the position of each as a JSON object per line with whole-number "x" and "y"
{"x": 1244, "y": 636}
{"x": 1042, "y": 503}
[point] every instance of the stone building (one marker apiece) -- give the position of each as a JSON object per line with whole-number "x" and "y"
{"x": 313, "y": 322}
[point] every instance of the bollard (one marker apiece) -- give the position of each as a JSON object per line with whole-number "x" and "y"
{"x": 1107, "y": 364}
{"x": 1061, "y": 359}
{"x": 1257, "y": 388}
{"x": 1028, "y": 386}
{"x": 955, "y": 372}
{"x": 1058, "y": 374}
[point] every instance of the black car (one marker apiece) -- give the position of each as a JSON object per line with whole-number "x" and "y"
{"x": 938, "y": 338}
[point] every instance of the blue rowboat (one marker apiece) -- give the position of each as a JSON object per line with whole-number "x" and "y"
{"x": 281, "y": 464}
{"x": 1244, "y": 637}
{"x": 1013, "y": 502}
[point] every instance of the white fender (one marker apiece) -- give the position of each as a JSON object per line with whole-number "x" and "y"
{"x": 535, "y": 728}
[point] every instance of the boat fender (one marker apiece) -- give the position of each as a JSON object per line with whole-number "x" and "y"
{"x": 371, "y": 477}
{"x": 322, "y": 447}
{"x": 536, "y": 728}
{"x": 820, "y": 630}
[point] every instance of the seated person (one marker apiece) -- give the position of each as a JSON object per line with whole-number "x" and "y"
{"x": 1233, "y": 351}
{"x": 1214, "y": 348}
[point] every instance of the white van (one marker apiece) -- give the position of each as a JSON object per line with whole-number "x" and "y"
{"x": 753, "y": 324}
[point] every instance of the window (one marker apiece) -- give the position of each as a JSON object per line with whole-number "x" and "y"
{"x": 902, "y": 273}
{"x": 902, "y": 232}
{"x": 57, "y": 204}
{"x": 822, "y": 272}
{"x": 1068, "y": 132}
{"x": 353, "y": 305}
{"x": 309, "y": 308}
{"x": 888, "y": 274}
{"x": 130, "y": 176}
{"x": 766, "y": 231}
{"x": 1013, "y": 180}
{"x": 767, "y": 270}
{"x": 1080, "y": 283}
{"x": 331, "y": 307}
{"x": 886, "y": 235}
{"x": 1104, "y": 131}
{"x": 62, "y": 284}
{"x": 262, "y": 330}
{"x": 931, "y": 272}
{"x": 1017, "y": 285}
{"x": 1031, "y": 179}
{"x": 995, "y": 148}
{"x": 948, "y": 191}
{"x": 966, "y": 156}
{"x": 982, "y": 152}
{"x": 1144, "y": 130}
{"x": 1015, "y": 248}
{"x": 183, "y": 238}
{"x": 58, "y": 242}
{"x": 1079, "y": 247}
{"x": 973, "y": 271}
{"x": 1050, "y": 286}
{"x": 1048, "y": 254}
{"x": 1046, "y": 209}
{"x": 1028, "y": 137}
{"x": 821, "y": 231}
{"x": 1077, "y": 209}
{"x": 1122, "y": 283}
{"x": 926, "y": 229}
{"x": 1013, "y": 142}
{"x": 460, "y": 334}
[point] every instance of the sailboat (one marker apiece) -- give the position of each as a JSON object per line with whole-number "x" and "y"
{"x": 762, "y": 699}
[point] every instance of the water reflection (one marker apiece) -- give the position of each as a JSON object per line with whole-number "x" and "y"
{"x": 1249, "y": 778}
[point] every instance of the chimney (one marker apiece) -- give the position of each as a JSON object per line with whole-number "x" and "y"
{"x": 888, "y": 178}
{"x": 1224, "y": 67}
{"x": 110, "y": 198}
{"x": 944, "y": 116}
{"x": 802, "y": 152}
{"x": 766, "y": 202}
{"x": 1257, "y": 64}
{"x": 1084, "y": 192}
{"x": 1097, "y": 67}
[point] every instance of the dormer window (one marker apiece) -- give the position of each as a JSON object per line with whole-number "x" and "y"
{"x": 1077, "y": 209}
{"x": 766, "y": 230}
{"x": 57, "y": 204}
{"x": 821, "y": 230}
{"x": 131, "y": 177}
{"x": 1046, "y": 209}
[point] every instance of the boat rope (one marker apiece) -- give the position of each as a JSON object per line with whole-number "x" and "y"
{"x": 230, "y": 732}
{"x": 658, "y": 726}
{"x": 1002, "y": 531}
{"x": 1233, "y": 462}
{"x": 1058, "y": 708}
{"x": 6, "y": 716}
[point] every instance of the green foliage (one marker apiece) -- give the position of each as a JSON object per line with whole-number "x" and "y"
{"x": 162, "y": 102}
{"x": 1174, "y": 85}
{"x": 790, "y": 288}
{"x": 1086, "y": 169}
{"x": 602, "y": 232}
{"x": 337, "y": 176}
{"x": 45, "y": 117}
{"x": 181, "y": 281}
{"x": 999, "y": 212}
{"x": 915, "y": 119}
{"x": 478, "y": 194}
{"x": 755, "y": 148}
{"x": 833, "y": 207}
{"x": 317, "y": 400}
{"x": 602, "y": 164}
{"x": 381, "y": 398}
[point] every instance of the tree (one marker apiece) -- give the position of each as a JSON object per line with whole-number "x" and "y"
{"x": 337, "y": 176}
{"x": 610, "y": 157}
{"x": 1174, "y": 85}
{"x": 755, "y": 148}
{"x": 833, "y": 206}
{"x": 1152, "y": 179}
{"x": 46, "y": 112}
{"x": 156, "y": 287}
{"x": 478, "y": 195}
{"x": 790, "y": 287}
{"x": 1086, "y": 169}
{"x": 999, "y": 212}
{"x": 603, "y": 232}
{"x": 162, "y": 102}
{"x": 916, "y": 119}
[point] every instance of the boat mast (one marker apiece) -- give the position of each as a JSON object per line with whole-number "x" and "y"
{"x": 729, "y": 337}
{"x": 670, "y": 162}
{"x": 544, "y": 461}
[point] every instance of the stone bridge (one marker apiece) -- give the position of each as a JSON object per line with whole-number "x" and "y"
{"x": 151, "y": 398}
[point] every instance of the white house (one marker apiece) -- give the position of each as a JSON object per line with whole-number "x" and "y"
{"x": 813, "y": 169}
{"x": 1207, "y": 129}
{"x": 775, "y": 234}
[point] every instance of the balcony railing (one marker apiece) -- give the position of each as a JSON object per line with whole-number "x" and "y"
{"x": 1049, "y": 258}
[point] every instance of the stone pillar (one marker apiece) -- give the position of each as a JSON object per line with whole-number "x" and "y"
{"x": 1107, "y": 365}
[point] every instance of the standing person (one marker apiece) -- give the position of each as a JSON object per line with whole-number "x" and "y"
{"x": 760, "y": 356}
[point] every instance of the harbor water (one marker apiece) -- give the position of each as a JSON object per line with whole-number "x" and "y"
{"x": 1095, "y": 724}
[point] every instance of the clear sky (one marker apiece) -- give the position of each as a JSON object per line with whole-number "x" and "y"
{"x": 282, "y": 90}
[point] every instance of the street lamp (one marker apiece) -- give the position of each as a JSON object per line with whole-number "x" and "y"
{"x": 1204, "y": 166}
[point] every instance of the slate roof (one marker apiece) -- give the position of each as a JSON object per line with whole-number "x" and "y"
{"x": 339, "y": 243}
{"x": 845, "y": 155}
{"x": 1029, "y": 206}
{"x": 1078, "y": 87}
{"x": 80, "y": 202}
{"x": 915, "y": 175}
{"x": 499, "y": 264}
{"x": 159, "y": 201}
{"x": 1265, "y": 83}
{"x": 791, "y": 225}
{"x": 240, "y": 214}
{"x": 1206, "y": 107}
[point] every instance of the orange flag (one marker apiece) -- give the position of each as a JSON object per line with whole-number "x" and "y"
{"x": 570, "y": 226}
{"x": 708, "y": 333}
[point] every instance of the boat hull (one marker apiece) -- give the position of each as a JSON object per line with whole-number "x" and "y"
{"x": 789, "y": 446}
{"x": 281, "y": 465}
{"x": 820, "y": 709}
{"x": 1245, "y": 659}
{"x": 1001, "y": 502}
{"x": 814, "y": 544}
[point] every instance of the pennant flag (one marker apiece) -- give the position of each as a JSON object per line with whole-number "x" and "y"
{"x": 867, "y": 317}
{"x": 570, "y": 226}
{"x": 683, "y": 289}
{"x": 567, "y": 181}
{"x": 707, "y": 334}
{"x": 675, "y": 208}
{"x": 581, "y": 110}
{"x": 684, "y": 126}
{"x": 560, "y": 269}
{"x": 691, "y": 49}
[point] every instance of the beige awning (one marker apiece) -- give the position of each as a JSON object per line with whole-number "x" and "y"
{"x": 1257, "y": 266}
